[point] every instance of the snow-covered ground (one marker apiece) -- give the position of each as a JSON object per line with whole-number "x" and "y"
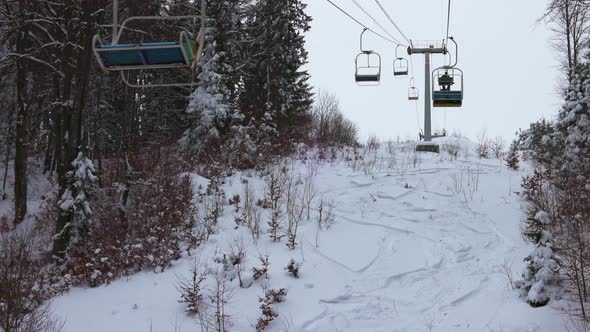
{"x": 412, "y": 249}
{"x": 39, "y": 187}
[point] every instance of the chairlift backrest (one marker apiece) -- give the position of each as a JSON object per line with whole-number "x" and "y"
{"x": 413, "y": 94}
{"x": 400, "y": 67}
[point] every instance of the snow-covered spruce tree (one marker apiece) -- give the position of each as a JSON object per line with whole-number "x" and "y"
{"x": 541, "y": 271}
{"x": 80, "y": 186}
{"x": 276, "y": 97}
{"x": 536, "y": 143}
{"x": 216, "y": 121}
{"x": 573, "y": 182}
{"x": 512, "y": 159}
{"x": 208, "y": 102}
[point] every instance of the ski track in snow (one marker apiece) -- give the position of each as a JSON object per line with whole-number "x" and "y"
{"x": 457, "y": 245}
{"x": 397, "y": 257}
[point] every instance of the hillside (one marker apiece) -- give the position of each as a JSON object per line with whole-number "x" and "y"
{"x": 419, "y": 242}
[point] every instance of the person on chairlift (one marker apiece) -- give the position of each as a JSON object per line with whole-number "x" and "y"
{"x": 445, "y": 82}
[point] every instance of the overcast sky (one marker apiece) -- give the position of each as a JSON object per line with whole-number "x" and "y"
{"x": 510, "y": 69}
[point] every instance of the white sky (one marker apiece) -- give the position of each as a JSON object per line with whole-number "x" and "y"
{"x": 510, "y": 69}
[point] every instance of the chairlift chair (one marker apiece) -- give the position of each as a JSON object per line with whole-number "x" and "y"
{"x": 413, "y": 94}
{"x": 444, "y": 96}
{"x": 400, "y": 65}
{"x": 184, "y": 53}
{"x": 447, "y": 77}
{"x": 369, "y": 74}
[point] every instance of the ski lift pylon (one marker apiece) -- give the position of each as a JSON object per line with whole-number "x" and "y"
{"x": 369, "y": 74}
{"x": 120, "y": 57}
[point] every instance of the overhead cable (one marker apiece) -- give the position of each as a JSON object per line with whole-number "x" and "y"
{"x": 392, "y": 21}
{"x": 376, "y": 22}
{"x": 361, "y": 24}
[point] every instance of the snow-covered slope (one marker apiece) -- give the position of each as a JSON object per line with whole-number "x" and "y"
{"x": 418, "y": 244}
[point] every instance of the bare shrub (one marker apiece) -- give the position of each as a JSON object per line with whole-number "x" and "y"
{"x": 237, "y": 257}
{"x": 391, "y": 150}
{"x": 330, "y": 127}
{"x": 258, "y": 273}
{"x": 326, "y": 216}
{"x": 415, "y": 158}
{"x": 576, "y": 324}
{"x": 4, "y": 225}
{"x": 138, "y": 225}
{"x": 483, "y": 146}
{"x": 497, "y": 147}
{"x": 452, "y": 150}
{"x": 466, "y": 183}
{"x": 220, "y": 296}
{"x": 429, "y": 322}
{"x": 275, "y": 187}
{"x": 506, "y": 270}
{"x": 309, "y": 190}
{"x": 271, "y": 296}
{"x": 214, "y": 201}
{"x": 373, "y": 143}
{"x": 23, "y": 288}
{"x": 295, "y": 203}
{"x": 251, "y": 214}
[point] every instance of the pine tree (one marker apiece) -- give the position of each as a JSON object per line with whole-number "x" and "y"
{"x": 573, "y": 124}
{"x": 217, "y": 127}
{"x": 541, "y": 270}
{"x": 277, "y": 98}
{"x": 81, "y": 185}
{"x": 208, "y": 103}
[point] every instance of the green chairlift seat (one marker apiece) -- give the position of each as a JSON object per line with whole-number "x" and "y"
{"x": 447, "y": 98}
{"x": 368, "y": 78}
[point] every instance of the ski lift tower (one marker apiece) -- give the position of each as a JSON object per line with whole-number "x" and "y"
{"x": 427, "y": 48}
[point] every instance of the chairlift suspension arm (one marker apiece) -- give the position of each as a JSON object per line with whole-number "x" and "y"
{"x": 362, "y": 36}
{"x": 115, "y": 21}
{"x": 456, "y": 52}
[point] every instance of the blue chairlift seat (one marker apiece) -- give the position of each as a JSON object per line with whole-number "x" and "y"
{"x": 447, "y": 98}
{"x": 146, "y": 55}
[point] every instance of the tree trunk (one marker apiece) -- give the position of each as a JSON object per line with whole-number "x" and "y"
{"x": 9, "y": 142}
{"x": 74, "y": 91}
{"x": 68, "y": 137}
{"x": 22, "y": 133}
{"x": 6, "y": 161}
